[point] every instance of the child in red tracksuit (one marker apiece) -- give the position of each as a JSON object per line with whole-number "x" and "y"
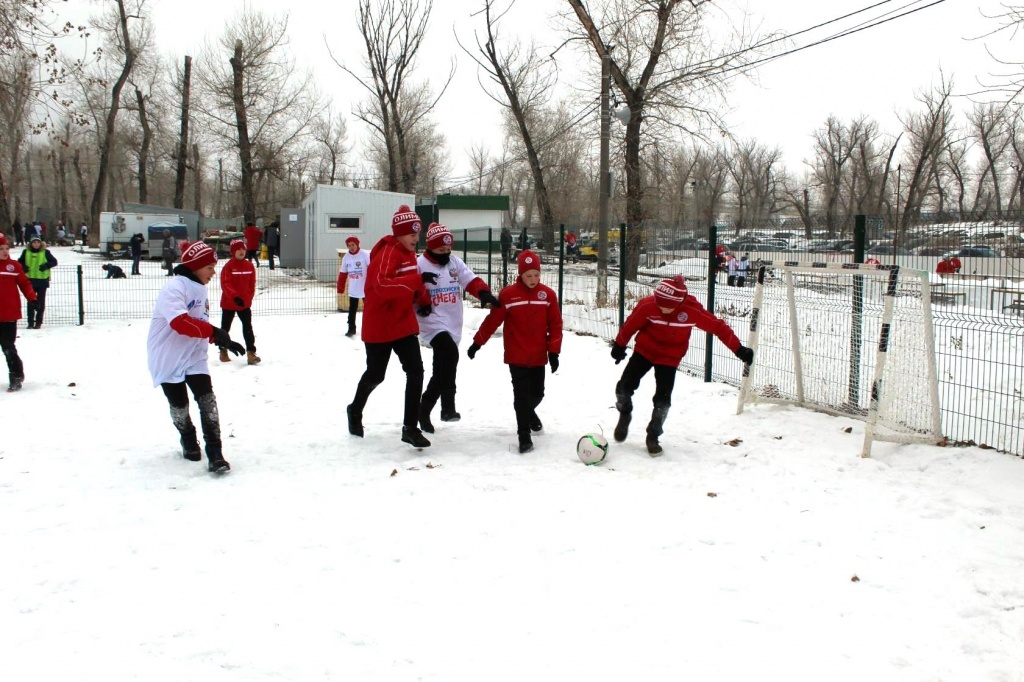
{"x": 394, "y": 296}
{"x": 662, "y": 324}
{"x": 533, "y": 339}
{"x": 12, "y": 278}
{"x": 238, "y": 287}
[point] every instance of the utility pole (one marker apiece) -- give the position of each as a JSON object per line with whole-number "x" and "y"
{"x": 603, "y": 181}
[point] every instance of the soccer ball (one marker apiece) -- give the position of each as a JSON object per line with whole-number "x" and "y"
{"x": 592, "y": 449}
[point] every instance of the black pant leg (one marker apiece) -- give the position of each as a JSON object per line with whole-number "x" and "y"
{"x": 245, "y": 317}
{"x": 527, "y": 392}
{"x": 353, "y": 308}
{"x": 8, "y": 334}
{"x": 408, "y": 351}
{"x": 41, "y": 302}
{"x": 226, "y": 317}
{"x": 636, "y": 367}
{"x": 377, "y": 357}
{"x": 444, "y": 369}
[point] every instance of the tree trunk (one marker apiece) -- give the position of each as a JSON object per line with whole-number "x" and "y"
{"x": 197, "y": 179}
{"x": 182, "y": 165}
{"x": 244, "y": 144}
{"x": 147, "y": 138}
{"x": 76, "y": 163}
{"x": 108, "y": 138}
{"x": 634, "y": 198}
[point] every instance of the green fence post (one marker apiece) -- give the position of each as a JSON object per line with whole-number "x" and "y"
{"x": 709, "y": 338}
{"x": 490, "y": 255}
{"x": 857, "y": 322}
{"x": 622, "y": 274}
{"x": 81, "y": 296}
{"x": 561, "y": 263}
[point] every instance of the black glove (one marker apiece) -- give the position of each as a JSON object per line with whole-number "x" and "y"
{"x": 618, "y": 353}
{"x": 239, "y": 302}
{"x": 472, "y": 351}
{"x": 746, "y": 355}
{"x": 553, "y": 361}
{"x": 424, "y": 310}
{"x": 429, "y": 277}
{"x": 223, "y": 339}
{"x": 488, "y": 299}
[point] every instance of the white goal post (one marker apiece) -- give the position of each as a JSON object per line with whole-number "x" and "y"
{"x": 848, "y": 339}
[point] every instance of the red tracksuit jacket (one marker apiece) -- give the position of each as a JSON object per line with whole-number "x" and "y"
{"x": 12, "y": 278}
{"x": 393, "y": 289}
{"x": 664, "y": 339}
{"x": 533, "y": 324}
{"x": 237, "y": 278}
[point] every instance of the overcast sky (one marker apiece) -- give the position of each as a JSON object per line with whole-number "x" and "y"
{"x": 875, "y": 72}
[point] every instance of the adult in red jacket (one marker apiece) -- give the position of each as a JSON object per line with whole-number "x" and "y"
{"x": 393, "y": 287}
{"x": 945, "y": 266}
{"x": 12, "y": 278}
{"x": 253, "y": 235}
{"x": 662, "y": 324}
{"x": 238, "y": 287}
{"x": 533, "y": 338}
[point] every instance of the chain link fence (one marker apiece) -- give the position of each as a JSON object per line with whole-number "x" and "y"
{"x": 977, "y": 312}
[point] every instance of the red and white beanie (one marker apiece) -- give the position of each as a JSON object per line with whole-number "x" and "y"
{"x": 236, "y": 245}
{"x": 405, "y": 221}
{"x": 438, "y": 236}
{"x": 670, "y": 292}
{"x": 352, "y": 239}
{"x": 528, "y": 260}
{"x": 3, "y": 241}
{"x": 197, "y": 255}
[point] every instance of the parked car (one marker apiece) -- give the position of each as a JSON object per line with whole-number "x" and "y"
{"x": 887, "y": 250}
{"x": 932, "y": 251}
{"x": 977, "y": 252}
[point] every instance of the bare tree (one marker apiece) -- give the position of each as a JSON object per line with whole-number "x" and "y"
{"x": 989, "y": 128}
{"x": 393, "y": 32}
{"x": 927, "y": 131}
{"x": 668, "y": 68}
{"x": 330, "y": 133}
{"x": 525, "y": 84}
{"x": 181, "y": 156}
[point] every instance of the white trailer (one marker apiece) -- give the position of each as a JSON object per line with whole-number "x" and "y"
{"x": 117, "y": 228}
{"x": 332, "y": 213}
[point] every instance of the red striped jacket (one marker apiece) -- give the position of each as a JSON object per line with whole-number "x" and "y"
{"x": 664, "y": 339}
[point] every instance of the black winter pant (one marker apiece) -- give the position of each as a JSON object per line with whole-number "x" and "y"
{"x": 253, "y": 256}
{"x": 136, "y": 259}
{"x": 353, "y": 308}
{"x": 377, "y": 356}
{"x": 245, "y": 317}
{"x": 527, "y": 394}
{"x": 34, "y": 309}
{"x": 442, "y": 378}
{"x": 664, "y": 381}
{"x": 8, "y": 333}
{"x": 271, "y": 252}
{"x": 209, "y": 416}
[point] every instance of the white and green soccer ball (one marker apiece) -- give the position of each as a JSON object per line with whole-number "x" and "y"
{"x": 592, "y": 449}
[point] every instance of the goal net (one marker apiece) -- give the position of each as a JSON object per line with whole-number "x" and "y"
{"x": 848, "y": 339}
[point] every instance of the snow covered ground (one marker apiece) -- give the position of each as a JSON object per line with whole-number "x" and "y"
{"x": 759, "y": 546}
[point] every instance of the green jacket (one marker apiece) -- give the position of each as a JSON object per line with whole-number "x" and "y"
{"x": 37, "y": 264}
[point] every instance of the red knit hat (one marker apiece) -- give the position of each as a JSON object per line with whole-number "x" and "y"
{"x": 198, "y": 255}
{"x": 236, "y": 245}
{"x": 3, "y": 241}
{"x": 670, "y": 292}
{"x": 438, "y": 236}
{"x": 405, "y": 221}
{"x": 352, "y": 238}
{"x": 528, "y": 260}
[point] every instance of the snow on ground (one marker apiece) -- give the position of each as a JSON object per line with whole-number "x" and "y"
{"x": 324, "y": 556}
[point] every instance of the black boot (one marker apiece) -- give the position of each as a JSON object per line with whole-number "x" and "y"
{"x": 535, "y": 423}
{"x": 655, "y": 428}
{"x": 414, "y": 437}
{"x": 351, "y": 330}
{"x": 355, "y": 421}
{"x": 209, "y": 418}
{"x": 525, "y": 443}
{"x": 425, "y": 409}
{"x": 190, "y": 449}
{"x": 16, "y": 380}
{"x": 624, "y": 404}
{"x": 448, "y": 413}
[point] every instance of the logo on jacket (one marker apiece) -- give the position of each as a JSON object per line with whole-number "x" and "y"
{"x": 452, "y": 272}
{"x": 682, "y": 317}
{"x": 542, "y": 295}
{"x": 10, "y": 267}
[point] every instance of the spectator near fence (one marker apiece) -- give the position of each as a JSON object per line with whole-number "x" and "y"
{"x": 169, "y": 252}
{"x": 506, "y": 244}
{"x": 114, "y": 272}
{"x": 37, "y": 262}
{"x": 272, "y": 238}
{"x": 945, "y": 266}
{"x": 135, "y": 243}
{"x": 253, "y": 237}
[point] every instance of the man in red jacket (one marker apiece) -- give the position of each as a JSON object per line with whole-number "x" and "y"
{"x": 253, "y": 235}
{"x": 393, "y": 287}
{"x": 238, "y": 288}
{"x": 662, "y": 324}
{"x": 12, "y": 278}
{"x": 533, "y": 339}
